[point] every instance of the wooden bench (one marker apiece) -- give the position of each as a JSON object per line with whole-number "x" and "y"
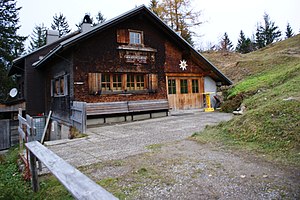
{"x": 106, "y": 108}
{"x": 148, "y": 105}
{"x": 126, "y": 107}
{"x": 78, "y": 184}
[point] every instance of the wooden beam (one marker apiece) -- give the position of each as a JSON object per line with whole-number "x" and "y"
{"x": 78, "y": 184}
{"x": 45, "y": 129}
{"x": 184, "y": 74}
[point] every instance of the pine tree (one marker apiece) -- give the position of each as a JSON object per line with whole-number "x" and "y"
{"x": 226, "y": 44}
{"x": 38, "y": 37}
{"x": 11, "y": 44}
{"x": 245, "y": 45}
{"x": 267, "y": 33}
{"x": 60, "y": 24}
{"x": 100, "y": 18}
{"x": 289, "y": 31}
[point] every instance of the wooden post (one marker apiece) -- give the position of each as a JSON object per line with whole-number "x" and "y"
{"x": 34, "y": 175}
{"x": 21, "y": 127}
{"x": 46, "y": 126}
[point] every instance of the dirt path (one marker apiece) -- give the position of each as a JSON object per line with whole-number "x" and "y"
{"x": 189, "y": 170}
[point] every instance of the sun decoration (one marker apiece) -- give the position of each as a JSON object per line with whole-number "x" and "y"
{"x": 183, "y": 65}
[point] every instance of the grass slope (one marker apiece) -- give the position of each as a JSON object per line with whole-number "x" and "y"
{"x": 271, "y": 124}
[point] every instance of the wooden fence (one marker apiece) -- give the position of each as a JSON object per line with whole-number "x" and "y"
{"x": 26, "y": 133}
{"x": 9, "y": 135}
{"x": 78, "y": 184}
{"x": 78, "y": 116}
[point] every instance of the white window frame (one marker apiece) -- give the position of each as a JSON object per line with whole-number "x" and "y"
{"x": 135, "y": 37}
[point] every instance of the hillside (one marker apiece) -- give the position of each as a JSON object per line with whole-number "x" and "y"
{"x": 238, "y": 66}
{"x": 268, "y": 83}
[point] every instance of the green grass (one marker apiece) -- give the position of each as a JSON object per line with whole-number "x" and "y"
{"x": 13, "y": 186}
{"x": 271, "y": 125}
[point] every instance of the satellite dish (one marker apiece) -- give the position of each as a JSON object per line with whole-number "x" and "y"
{"x": 13, "y": 92}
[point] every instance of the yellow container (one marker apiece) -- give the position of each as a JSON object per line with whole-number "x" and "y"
{"x": 208, "y": 103}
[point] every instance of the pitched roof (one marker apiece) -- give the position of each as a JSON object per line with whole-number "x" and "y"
{"x": 73, "y": 40}
{"x": 19, "y": 60}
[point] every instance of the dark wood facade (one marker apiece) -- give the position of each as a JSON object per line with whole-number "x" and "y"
{"x": 132, "y": 58}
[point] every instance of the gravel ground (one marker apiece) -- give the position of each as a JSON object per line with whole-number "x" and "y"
{"x": 189, "y": 170}
{"x": 154, "y": 159}
{"x": 117, "y": 141}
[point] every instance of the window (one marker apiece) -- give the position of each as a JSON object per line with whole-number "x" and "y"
{"x": 59, "y": 86}
{"x": 105, "y": 82}
{"x": 135, "y": 82}
{"x": 140, "y": 82}
{"x": 172, "y": 86}
{"x": 130, "y": 82}
{"x": 135, "y": 37}
{"x": 195, "y": 86}
{"x": 117, "y": 82}
{"x": 183, "y": 86}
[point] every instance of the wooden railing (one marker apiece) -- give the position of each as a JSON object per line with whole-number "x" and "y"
{"x": 78, "y": 184}
{"x": 26, "y": 131}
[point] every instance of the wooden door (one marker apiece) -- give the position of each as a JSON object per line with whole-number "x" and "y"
{"x": 185, "y": 92}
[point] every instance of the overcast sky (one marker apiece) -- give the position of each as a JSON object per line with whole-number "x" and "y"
{"x": 220, "y": 16}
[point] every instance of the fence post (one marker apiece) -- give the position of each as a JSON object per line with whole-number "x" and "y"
{"x": 34, "y": 174}
{"x": 84, "y": 117}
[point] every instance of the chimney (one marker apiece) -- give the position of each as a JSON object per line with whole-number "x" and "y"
{"x": 52, "y": 36}
{"x": 86, "y": 24}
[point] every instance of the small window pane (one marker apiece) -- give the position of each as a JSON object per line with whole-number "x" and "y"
{"x": 117, "y": 82}
{"x": 172, "y": 86}
{"x": 183, "y": 86}
{"x": 130, "y": 82}
{"x": 195, "y": 86}
{"x": 139, "y": 82}
{"x": 61, "y": 86}
{"x": 135, "y": 37}
{"x": 57, "y": 87}
{"x": 105, "y": 82}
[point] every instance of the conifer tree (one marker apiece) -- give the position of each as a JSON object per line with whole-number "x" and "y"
{"x": 11, "y": 44}
{"x": 245, "y": 45}
{"x": 267, "y": 33}
{"x": 289, "y": 31}
{"x": 100, "y": 18}
{"x": 38, "y": 37}
{"x": 226, "y": 44}
{"x": 60, "y": 24}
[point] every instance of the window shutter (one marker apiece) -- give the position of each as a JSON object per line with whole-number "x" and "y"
{"x": 94, "y": 82}
{"x": 153, "y": 82}
{"x": 122, "y": 36}
{"x": 66, "y": 89}
{"x": 52, "y": 87}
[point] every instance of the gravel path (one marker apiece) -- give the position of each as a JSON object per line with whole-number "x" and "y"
{"x": 118, "y": 141}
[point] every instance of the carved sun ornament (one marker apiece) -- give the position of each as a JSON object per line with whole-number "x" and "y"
{"x": 183, "y": 65}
